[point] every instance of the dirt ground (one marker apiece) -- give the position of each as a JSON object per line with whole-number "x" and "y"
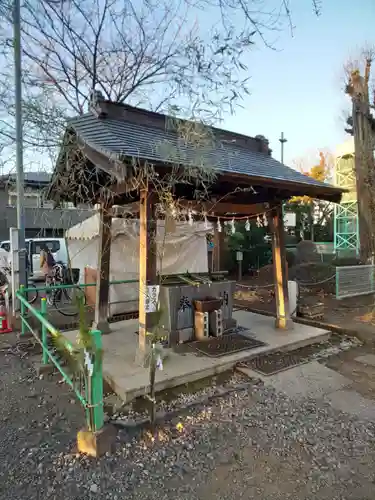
{"x": 352, "y": 314}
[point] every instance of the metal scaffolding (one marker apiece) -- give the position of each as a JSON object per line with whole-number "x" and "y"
{"x": 346, "y": 213}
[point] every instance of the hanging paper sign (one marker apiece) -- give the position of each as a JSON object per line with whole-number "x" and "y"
{"x": 88, "y": 363}
{"x": 152, "y": 298}
{"x": 190, "y": 218}
{"x": 159, "y": 363}
{"x": 290, "y": 219}
{"x": 170, "y": 224}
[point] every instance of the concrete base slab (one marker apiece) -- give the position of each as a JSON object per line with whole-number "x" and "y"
{"x": 130, "y": 380}
{"x": 353, "y": 403}
{"x": 311, "y": 380}
{"x": 366, "y": 359}
{"x": 96, "y": 444}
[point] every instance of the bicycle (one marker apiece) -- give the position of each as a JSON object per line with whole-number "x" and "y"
{"x": 6, "y": 286}
{"x": 64, "y": 300}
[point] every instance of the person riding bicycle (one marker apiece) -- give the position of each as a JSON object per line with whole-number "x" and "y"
{"x": 47, "y": 262}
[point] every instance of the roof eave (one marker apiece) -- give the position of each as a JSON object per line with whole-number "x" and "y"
{"x": 324, "y": 192}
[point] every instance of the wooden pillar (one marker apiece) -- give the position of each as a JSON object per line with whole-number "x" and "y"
{"x": 147, "y": 260}
{"x": 218, "y": 249}
{"x": 103, "y": 268}
{"x": 283, "y": 320}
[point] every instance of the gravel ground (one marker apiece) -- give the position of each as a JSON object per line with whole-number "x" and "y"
{"x": 249, "y": 444}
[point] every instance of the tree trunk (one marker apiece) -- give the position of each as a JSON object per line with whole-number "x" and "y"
{"x": 364, "y": 178}
{"x": 364, "y": 160}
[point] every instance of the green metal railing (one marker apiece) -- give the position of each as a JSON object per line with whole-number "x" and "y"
{"x": 91, "y": 395}
{"x": 93, "y": 400}
{"x": 50, "y": 288}
{"x": 79, "y": 285}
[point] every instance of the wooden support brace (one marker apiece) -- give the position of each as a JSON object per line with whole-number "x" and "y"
{"x": 283, "y": 320}
{"x": 103, "y": 271}
{"x": 147, "y": 261}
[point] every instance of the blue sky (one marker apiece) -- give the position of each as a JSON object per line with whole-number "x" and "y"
{"x": 298, "y": 89}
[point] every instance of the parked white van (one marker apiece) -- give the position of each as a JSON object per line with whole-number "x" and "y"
{"x": 34, "y": 246}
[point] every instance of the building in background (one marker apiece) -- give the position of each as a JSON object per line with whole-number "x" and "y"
{"x": 41, "y": 218}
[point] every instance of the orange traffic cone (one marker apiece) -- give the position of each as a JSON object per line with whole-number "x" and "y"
{"x": 4, "y": 327}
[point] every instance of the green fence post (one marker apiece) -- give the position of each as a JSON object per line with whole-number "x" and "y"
{"x": 97, "y": 382}
{"x": 23, "y": 309}
{"x": 43, "y": 312}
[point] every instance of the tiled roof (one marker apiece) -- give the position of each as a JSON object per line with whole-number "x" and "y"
{"x": 42, "y": 177}
{"x": 29, "y": 177}
{"x": 119, "y": 137}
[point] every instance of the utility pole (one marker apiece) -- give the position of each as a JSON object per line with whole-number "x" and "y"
{"x": 22, "y": 251}
{"x": 19, "y": 143}
{"x": 282, "y": 142}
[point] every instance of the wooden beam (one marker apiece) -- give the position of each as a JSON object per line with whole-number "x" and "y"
{"x": 209, "y": 207}
{"x": 283, "y": 320}
{"x": 218, "y": 249}
{"x": 290, "y": 188}
{"x": 222, "y": 208}
{"x": 103, "y": 162}
{"x": 103, "y": 271}
{"x": 147, "y": 261}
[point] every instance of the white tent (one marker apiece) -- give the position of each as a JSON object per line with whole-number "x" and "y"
{"x": 181, "y": 248}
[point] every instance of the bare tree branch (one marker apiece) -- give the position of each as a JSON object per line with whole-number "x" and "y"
{"x": 153, "y": 54}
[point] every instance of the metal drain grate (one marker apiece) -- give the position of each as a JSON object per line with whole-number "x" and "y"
{"x": 227, "y": 344}
{"x": 270, "y": 364}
